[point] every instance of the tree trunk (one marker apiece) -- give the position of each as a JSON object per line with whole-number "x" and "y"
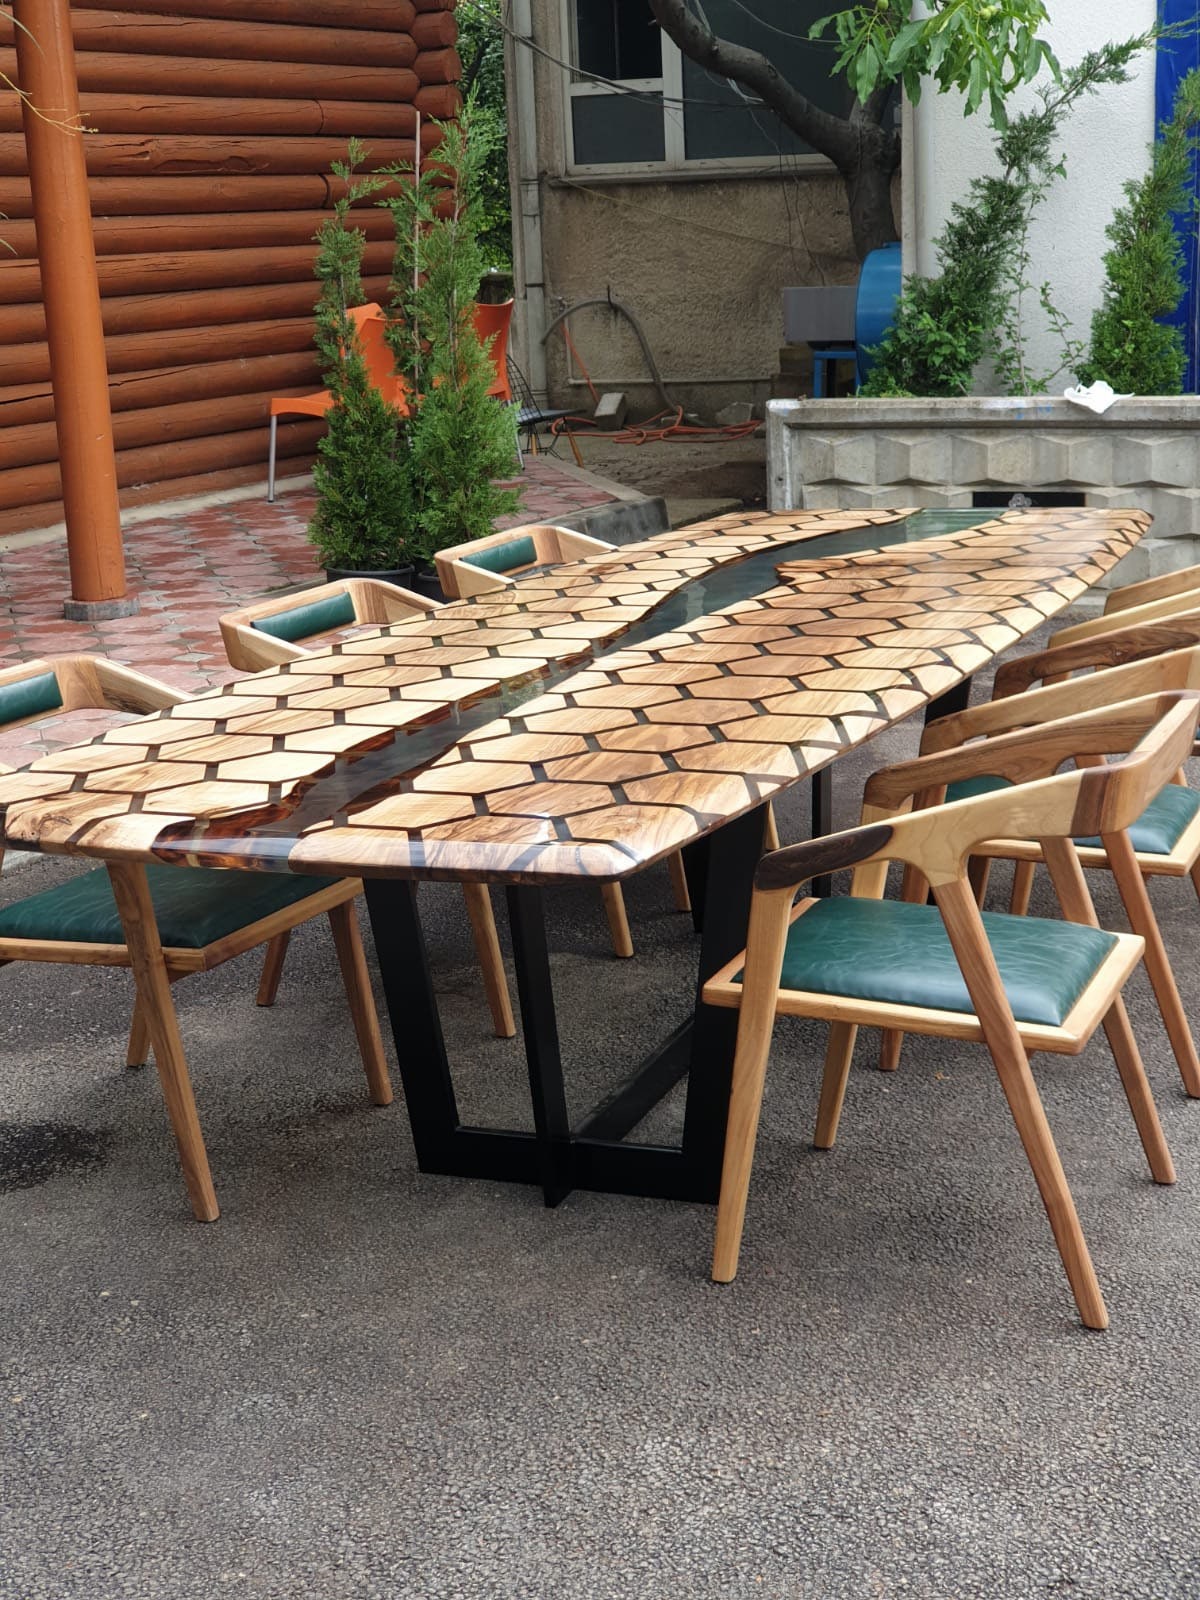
{"x": 872, "y": 220}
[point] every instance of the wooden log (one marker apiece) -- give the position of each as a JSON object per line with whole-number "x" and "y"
{"x": 28, "y": 404}
{"x": 299, "y": 457}
{"x": 24, "y": 364}
{"x": 223, "y": 193}
{"x": 37, "y": 442}
{"x": 39, "y": 484}
{"x": 208, "y": 231}
{"x": 198, "y": 309}
{"x": 369, "y": 14}
{"x": 432, "y": 30}
{"x": 170, "y": 272}
{"x": 294, "y": 80}
{"x": 191, "y": 114}
{"x": 128, "y": 33}
{"x": 438, "y": 66}
{"x": 433, "y": 5}
{"x": 441, "y": 100}
{"x": 114, "y": 154}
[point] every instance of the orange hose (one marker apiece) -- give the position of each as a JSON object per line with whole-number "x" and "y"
{"x": 655, "y": 431}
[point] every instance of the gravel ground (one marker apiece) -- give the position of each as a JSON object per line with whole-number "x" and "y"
{"x": 363, "y": 1382}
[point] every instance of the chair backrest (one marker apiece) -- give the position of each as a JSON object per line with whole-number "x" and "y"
{"x": 1138, "y": 594}
{"x": 492, "y": 325}
{"x": 1174, "y": 605}
{"x": 493, "y": 561}
{"x": 1156, "y": 674}
{"x": 57, "y": 685}
{"x": 1135, "y": 643}
{"x": 269, "y": 632}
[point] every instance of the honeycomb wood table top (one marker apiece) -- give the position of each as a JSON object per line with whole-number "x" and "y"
{"x": 550, "y": 731}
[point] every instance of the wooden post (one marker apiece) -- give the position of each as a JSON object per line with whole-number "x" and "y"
{"x": 74, "y": 331}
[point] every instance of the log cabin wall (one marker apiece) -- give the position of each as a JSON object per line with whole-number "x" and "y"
{"x": 215, "y": 125}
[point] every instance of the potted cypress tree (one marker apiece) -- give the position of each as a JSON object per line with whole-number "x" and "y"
{"x": 394, "y": 488}
{"x": 363, "y": 522}
{"x": 460, "y": 441}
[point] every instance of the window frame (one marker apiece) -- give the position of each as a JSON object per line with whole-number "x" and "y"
{"x": 675, "y": 161}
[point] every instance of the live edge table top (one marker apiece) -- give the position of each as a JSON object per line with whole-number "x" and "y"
{"x": 515, "y": 737}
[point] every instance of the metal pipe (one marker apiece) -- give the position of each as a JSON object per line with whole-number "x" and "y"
{"x": 624, "y": 311}
{"x": 74, "y": 330}
{"x": 527, "y": 195}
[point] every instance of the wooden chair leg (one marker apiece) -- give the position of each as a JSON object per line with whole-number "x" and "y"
{"x": 1140, "y": 910}
{"x": 914, "y": 889}
{"x": 1137, "y": 1091}
{"x": 756, "y": 1023}
{"x": 1004, "y": 1044}
{"x": 1022, "y": 887}
{"x": 348, "y": 943}
{"x": 618, "y": 922}
{"x": 131, "y": 891}
{"x": 979, "y": 870}
{"x": 679, "y": 883}
{"x": 491, "y": 962}
{"x": 137, "y": 1052}
{"x": 272, "y": 969}
{"x": 839, "y": 1053}
{"x": 770, "y": 830}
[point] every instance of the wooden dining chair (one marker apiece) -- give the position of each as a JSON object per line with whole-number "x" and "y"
{"x": 979, "y": 750}
{"x": 498, "y": 559}
{"x": 1016, "y": 984}
{"x": 271, "y": 631}
{"x": 1127, "y": 642}
{"x": 167, "y": 922}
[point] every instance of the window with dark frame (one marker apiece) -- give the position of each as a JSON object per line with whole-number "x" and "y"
{"x": 717, "y": 121}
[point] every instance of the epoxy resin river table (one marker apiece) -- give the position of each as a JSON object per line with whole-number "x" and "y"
{"x": 580, "y": 725}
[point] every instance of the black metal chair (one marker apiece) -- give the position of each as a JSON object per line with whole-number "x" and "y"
{"x": 531, "y": 417}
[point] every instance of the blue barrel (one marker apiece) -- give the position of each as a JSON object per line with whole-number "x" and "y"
{"x": 878, "y": 291}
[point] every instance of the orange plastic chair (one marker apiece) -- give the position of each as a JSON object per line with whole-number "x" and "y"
{"x": 370, "y": 323}
{"x": 492, "y": 323}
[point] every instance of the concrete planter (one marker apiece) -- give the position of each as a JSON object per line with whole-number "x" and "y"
{"x": 1144, "y": 452}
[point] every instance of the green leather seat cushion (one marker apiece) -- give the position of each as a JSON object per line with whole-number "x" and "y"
{"x": 301, "y": 622}
{"x": 194, "y": 906}
{"x": 1155, "y": 833}
{"x": 504, "y": 557}
{"x": 890, "y": 951}
{"x": 29, "y": 696}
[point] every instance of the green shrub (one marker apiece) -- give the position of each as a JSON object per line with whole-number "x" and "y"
{"x": 1130, "y": 348}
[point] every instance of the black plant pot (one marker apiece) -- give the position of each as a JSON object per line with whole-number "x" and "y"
{"x": 401, "y": 576}
{"x": 426, "y": 582}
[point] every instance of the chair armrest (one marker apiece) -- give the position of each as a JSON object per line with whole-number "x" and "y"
{"x": 1134, "y": 643}
{"x": 796, "y": 863}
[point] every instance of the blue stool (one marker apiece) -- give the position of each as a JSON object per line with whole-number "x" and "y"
{"x": 824, "y": 355}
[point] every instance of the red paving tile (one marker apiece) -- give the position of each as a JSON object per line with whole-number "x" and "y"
{"x": 186, "y": 570}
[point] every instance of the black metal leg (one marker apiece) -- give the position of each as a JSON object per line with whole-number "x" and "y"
{"x": 735, "y": 851}
{"x": 956, "y": 699}
{"x": 821, "y": 789}
{"x": 540, "y": 1027}
{"x": 416, "y": 1025}
{"x": 695, "y": 865}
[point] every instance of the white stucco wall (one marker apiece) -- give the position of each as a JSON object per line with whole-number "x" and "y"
{"x": 1105, "y": 141}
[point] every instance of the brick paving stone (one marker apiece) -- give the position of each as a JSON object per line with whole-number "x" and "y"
{"x": 186, "y": 570}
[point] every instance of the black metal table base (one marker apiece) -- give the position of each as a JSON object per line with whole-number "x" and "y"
{"x": 594, "y": 1154}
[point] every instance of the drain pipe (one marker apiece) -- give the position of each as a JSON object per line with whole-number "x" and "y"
{"x": 528, "y": 197}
